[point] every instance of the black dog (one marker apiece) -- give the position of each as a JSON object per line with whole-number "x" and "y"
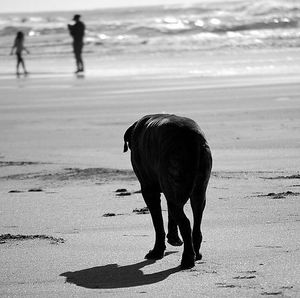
{"x": 169, "y": 154}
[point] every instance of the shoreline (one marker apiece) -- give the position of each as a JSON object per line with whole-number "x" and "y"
{"x": 219, "y": 64}
{"x": 238, "y": 114}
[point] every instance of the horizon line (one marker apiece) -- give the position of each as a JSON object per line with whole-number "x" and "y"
{"x": 109, "y": 8}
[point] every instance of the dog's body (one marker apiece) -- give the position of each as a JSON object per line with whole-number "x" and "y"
{"x": 169, "y": 154}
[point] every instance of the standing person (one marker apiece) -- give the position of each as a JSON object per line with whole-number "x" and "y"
{"x": 77, "y": 32}
{"x": 19, "y": 46}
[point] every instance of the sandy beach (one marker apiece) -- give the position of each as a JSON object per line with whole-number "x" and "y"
{"x": 62, "y": 168}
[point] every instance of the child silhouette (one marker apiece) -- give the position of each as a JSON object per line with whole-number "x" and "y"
{"x": 19, "y": 46}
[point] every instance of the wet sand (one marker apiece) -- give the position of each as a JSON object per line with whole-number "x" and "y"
{"x": 61, "y": 163}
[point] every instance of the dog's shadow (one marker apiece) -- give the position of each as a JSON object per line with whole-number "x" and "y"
{"x": 113, "y": 276}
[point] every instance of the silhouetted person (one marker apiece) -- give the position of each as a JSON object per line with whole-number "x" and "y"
{"x": 77, "y": 32}
{"x": 19, "y": 46}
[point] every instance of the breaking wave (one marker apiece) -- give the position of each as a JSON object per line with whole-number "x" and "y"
{"x": 251, "y": 24}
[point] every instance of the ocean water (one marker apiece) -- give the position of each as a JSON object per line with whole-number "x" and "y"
{"x": 207, "y": 26}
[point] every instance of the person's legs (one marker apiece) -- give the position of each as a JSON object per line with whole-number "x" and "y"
{"x": 23, "y": 65}
{"x": 77, "y": 52}
{"x": 80, "y": 62}
{"x": 20, "y": 60}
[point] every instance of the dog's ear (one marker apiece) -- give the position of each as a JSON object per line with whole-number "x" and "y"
{"x": 125, "y": 147}
{"x": 127, "y": 137}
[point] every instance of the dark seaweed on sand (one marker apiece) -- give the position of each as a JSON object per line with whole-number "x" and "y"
{"x": 8, "y": 237}
{"x": 144, "y": 210}
{"x": 280, "y": 195}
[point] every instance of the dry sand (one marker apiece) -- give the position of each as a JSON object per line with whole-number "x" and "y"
{"x": 61, "y": 163}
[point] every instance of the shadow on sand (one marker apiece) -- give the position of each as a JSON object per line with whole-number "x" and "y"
{"x": 80, "y": 75}
{"x": 113, "y": 276}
